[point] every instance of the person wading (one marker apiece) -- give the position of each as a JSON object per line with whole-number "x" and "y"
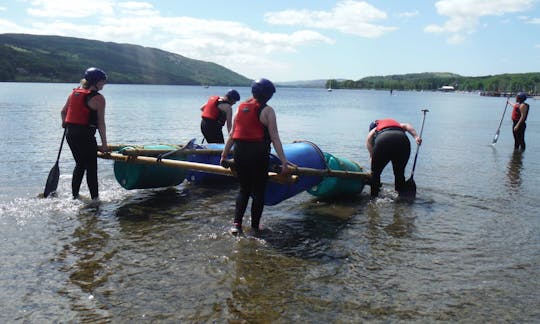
{"x": 82, "y": 114}
{"x": 215, "y": 113}
{"x": 387, "y": 142}
{"x": 254, "y": 128}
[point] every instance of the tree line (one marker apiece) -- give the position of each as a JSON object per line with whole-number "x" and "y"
{"x": 501, "y": 83}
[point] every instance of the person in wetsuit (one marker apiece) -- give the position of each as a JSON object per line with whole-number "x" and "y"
{"x": 215, "y": 113}
{"x": 82, "y": 114}
{"x": 520, "y": 112}
{"x": 387, "y": 142}
{"x": 254, "y": 128}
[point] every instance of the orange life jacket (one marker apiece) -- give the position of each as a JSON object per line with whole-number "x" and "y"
{"x": 387, "y": 123}
{"x": 247, "y": 126}
{"x": 78, "y": 112}
{"x": 212, "y": 111}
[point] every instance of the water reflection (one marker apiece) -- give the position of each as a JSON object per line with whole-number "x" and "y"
{"x": 253, "y": 299}
{"x": 85, "y": 262}
{"x": 403, "y": 221}
{"x": 513, "y": 174}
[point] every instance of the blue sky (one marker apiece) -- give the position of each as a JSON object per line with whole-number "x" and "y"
{"x": 306, "y": 40}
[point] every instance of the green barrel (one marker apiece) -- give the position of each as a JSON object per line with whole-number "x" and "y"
{"x": 334, "y": 186}
{"x": 144, "y": 176}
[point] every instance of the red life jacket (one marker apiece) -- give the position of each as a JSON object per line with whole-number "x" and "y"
{"x": 516, "y": 112}
{"x": 387, "y": 123}
{"x": 247, "y": 126}
{"x": 211, "y": 111}
{"x": 78, "y": 112}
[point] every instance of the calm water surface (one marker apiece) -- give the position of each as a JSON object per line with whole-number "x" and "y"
{"x": 466, "y": 251}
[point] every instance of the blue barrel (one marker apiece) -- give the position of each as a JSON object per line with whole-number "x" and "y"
{"x": 200, "y": 177}
{"x": 144, "y": 176}
{"x": 303, "y": 154}
{"x": 333, "y": 186}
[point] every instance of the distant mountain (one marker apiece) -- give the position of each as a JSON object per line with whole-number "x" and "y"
{"x": 33, "y": 58}
{"x": 322, "y": 83}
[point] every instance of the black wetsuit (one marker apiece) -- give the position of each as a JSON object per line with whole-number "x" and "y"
{"x": 83, "y": 145}
{"x": 211, "y": 130}
{"x": 390, "y": 145}
{"x": 251, "y": 164}
{"x": 519, "y": 136}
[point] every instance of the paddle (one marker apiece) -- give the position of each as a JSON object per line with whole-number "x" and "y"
{"x": 189, "y": 145}
{"x": 410, "y": 185}
{"x": 54, "y": 174}
{"x": 496, "y": 137}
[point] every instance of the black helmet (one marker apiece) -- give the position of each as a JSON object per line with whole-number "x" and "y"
{"x": 372, "y": 125}
{"x": 521, "y": 96}
{"x": 233, "y": 95}
{"x": 93, "y": 75}
{"x": 263, "y": 89}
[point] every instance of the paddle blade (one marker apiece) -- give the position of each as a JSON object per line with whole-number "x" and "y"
{"x": 495, "y": 138}
{"x": 52, "y": 180}
{"x": 409, "y": 190}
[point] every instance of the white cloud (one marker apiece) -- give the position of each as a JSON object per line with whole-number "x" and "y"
{"x": 464, "y": 15}
{"x": 349, "y": 17}
{"x": 408, "y": 14}
{"x": 70, "y": 9}
{"x": 228, "y": 43}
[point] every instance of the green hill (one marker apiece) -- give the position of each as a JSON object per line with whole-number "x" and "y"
{"x": 33, "y": 58}
{"x": 528, "y": 82}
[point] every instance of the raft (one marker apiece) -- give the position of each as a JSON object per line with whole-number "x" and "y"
{"x": 331, "y": 187}
{"x": 319, "y": 173}
{"x": 144, "y": 176}
{"x": 303, "y": 154}
{"x": 199, "y": 177}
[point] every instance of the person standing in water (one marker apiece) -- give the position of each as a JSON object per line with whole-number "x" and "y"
{"x": 254, "y": 128}
{"x": 82, "y": 114}
{"x": 520, "y": 112}
{"x": 387, "y": 141}
{"x": 215, "y": 113}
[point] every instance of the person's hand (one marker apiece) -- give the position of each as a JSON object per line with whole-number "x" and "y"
{"x": 224, "y": 162}
{"x": 418, "y": 140}
{"x": 284, "y": 169}
{"x": 104, "y": 149}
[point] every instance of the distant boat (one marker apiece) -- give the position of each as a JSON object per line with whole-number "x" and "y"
{"x": 446, "y": 88}
{"x": 329, "y": 89}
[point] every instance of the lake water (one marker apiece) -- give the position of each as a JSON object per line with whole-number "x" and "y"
{"x": 467, "y": 250}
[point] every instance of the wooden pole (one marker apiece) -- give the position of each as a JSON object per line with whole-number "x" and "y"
{"x": 302, "y": 171}
{"x": 365, "y": 176}
{"x": 134, "y": 150}
{"x": 209, "y": 168}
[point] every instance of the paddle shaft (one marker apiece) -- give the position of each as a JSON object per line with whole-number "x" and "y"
{"x": 418, "y": 145}
{"x": 61, "y": 144}
{"x": 54, "y": 174}
{"x": 496, "y": 137}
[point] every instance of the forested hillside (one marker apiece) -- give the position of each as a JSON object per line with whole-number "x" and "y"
{"x": 528, "y": 82}
{"x": 32, "y": 58}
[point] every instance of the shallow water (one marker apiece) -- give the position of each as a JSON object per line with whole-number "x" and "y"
{"x": 466, "y": 250}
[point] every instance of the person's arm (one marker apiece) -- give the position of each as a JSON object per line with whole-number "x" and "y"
{"x": 227, "y": 148}
{"x": 268, "y": 118}
{"x": 413, "y": 133}
{"x": 524, "y": 109}
{"x": 97, "y": 103}
{"x": 369, "y": 141}
{"x": 227, "y": 109}
{"x": 63, "y": 112}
